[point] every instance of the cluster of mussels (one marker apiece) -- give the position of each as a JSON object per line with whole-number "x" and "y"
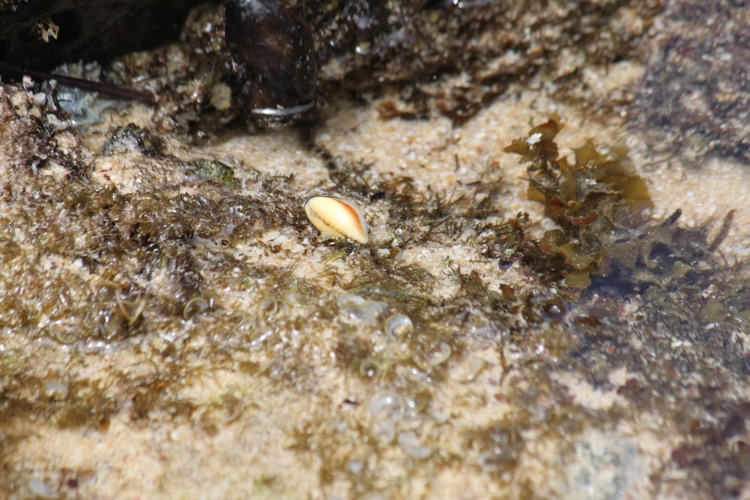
{"x": 273, "y": 60}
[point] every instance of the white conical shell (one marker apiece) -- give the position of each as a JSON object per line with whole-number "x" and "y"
{"x": 338, "y": 217}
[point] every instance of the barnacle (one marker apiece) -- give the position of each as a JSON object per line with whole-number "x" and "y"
{"x": 338, "y": 217}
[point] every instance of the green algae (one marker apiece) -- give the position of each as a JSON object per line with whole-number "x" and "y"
{"x": 215, "y": 169}
{"x": 595, "y": 201}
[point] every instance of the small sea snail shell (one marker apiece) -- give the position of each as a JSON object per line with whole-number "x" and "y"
{"x": 338, "y": 217}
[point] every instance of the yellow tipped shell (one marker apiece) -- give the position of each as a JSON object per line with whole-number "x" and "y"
{"x": 338, "y": 217}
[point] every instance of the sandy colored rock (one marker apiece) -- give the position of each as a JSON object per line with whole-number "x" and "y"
{"x": 212, "y": 344}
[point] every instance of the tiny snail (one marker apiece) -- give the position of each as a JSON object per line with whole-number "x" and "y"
{"x": 338, "y": 217}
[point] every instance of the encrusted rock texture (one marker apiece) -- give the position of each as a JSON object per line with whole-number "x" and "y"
{"x": 172, "y": 326}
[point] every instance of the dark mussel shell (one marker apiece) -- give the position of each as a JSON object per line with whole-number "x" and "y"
{"x": 272, "y": 51}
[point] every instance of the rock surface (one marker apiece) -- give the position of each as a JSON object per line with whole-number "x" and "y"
{"x": 171, "y": 325}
